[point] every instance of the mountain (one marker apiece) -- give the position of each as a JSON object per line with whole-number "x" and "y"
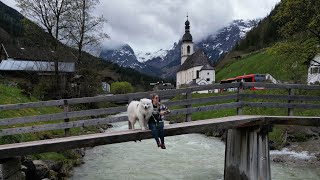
{"x": 124, "y": 56}
{"x": 143, "y": 56}
{"x": 164, "y": 63}
{"x": 217, "y": 45}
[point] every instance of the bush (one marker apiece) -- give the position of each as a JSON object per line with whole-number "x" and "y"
{"x": 121, "y": 87}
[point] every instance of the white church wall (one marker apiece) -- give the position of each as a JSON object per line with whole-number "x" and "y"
{"x": 208, "y": 75}
{"x": 184, "y": 51}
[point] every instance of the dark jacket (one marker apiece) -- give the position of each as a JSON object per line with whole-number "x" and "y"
{"x": 156, "y": 117}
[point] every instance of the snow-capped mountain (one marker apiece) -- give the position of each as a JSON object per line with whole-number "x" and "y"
{"x": 124, "y": 56}
{"x": 164, "y": 63}
{"x": 215, "y": 46}
{"x": 143, "y": 56}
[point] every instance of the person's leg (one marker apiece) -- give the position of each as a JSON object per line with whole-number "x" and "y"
{"x": 154, "y": 131}
{"x": 161, "y": 134}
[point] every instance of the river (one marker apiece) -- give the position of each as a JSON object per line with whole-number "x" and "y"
{"x": 191, "y": 156}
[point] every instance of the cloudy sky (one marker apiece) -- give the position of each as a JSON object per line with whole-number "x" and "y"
{"x": 149, "y": 25}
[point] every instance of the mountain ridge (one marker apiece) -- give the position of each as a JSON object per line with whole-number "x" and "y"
{"x": 215, "y": 46}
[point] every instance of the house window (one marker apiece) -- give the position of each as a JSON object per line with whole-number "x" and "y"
{"x": 188, "y": 49}
{"x": 208, "y": 79}
{"x": 198, "y": 72}
{"x": 315, "y": 70}
{"x": 208, "y": 73}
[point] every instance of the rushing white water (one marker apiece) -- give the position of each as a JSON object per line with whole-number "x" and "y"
{"x": 192, "y": 156}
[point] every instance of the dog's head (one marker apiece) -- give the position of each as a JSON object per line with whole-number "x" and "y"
{"x": 146, "y": 103}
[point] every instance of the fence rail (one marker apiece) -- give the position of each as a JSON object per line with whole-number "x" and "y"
{"x": 237, "y": 100}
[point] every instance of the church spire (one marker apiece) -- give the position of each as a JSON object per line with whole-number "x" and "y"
{"x": 187, "y": 36}
{"x": 187, "y": 25}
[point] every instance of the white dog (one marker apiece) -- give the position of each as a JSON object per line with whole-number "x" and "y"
{"x": 141, "y": 110}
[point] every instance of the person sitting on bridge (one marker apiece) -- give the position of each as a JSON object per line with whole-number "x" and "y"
{"x": 155, "y": 122}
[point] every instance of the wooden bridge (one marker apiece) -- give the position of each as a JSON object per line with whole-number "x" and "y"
{"x": 247, "y": 149}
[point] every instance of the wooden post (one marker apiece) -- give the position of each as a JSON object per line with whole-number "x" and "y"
{"x": 188, "y": 115}
{"x": 66, "y": 110}
{"x": 290, "y": 110}
{"x": 247, "y": 154}
{"x": 11, "y": 169}
{"x": 240, "y": 89}
{"x": 129, "y": 123}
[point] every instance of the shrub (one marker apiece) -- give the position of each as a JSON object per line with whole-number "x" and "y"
{"x": 121, "y": 87}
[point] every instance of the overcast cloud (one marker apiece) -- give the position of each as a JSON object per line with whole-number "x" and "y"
{"x": 149, "y": 25}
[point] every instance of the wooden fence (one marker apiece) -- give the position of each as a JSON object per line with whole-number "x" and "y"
{"x": 236, "y": 100}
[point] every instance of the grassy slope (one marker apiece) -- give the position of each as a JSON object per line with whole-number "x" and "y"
{"x": 13, "y": 95}
{"x": 260, "y": 62}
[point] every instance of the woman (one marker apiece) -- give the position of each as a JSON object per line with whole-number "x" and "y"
{"x": 155, "y": 122}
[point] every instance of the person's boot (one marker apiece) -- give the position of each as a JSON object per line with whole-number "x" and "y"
{"x": 159, "y": 144}
{"x": 163, "y": 146}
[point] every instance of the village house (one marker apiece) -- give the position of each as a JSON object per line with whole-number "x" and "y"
{"x": 161, "y": 86}
{"x": 314, "y": 70}
{"x": 38, "y": 60}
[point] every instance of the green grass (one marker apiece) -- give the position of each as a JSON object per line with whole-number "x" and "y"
{"x": 257, "y": 63}
{"x": 13, "y": 95}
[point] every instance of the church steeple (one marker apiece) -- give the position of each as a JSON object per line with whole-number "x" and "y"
{"x": 187, "y": 36}
{"x": 187, "y": 44}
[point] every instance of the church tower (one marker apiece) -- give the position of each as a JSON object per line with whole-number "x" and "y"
{"x": 187, "y": 44}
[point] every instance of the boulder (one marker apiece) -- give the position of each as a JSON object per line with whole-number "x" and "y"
{"x": 42, "y": 169}
{"x": 277, "y": 160}
{"x": 30, "y": 169}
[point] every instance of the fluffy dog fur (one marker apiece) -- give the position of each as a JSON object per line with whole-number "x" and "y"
{"x": 141, "y": 110}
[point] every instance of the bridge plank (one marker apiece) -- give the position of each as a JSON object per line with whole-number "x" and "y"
{"x": 62, "y": 125}
{"x": 280, "y": 86}
{"x": 294, "y": 120}
{"x": 64, "y": 115}
{"x": 59, "y": 144}
{"x": 31, "y": 105}
{"x": 280, "y": 105}
{"x": 280, "y": 97}
{"x": 201, "y": 100}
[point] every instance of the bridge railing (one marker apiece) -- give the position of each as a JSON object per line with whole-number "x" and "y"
{"x": 82, "y": 118}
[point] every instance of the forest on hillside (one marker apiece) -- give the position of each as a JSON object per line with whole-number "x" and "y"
{"x": 290, "y": 34}
{"x": 19, "y": 31}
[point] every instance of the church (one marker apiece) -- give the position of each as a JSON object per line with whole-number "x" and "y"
{"x": 195, "y": 68}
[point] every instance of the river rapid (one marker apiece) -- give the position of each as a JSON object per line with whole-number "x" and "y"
{"x": 191, "y": 156}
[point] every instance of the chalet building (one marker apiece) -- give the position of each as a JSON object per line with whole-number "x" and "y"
{"x": 314, "y": 71}
{"x": 195, "y": 68}
{"x": 106, "y": 83}
{"x": 35, "y": 59}
{"x": 161, "y": 86}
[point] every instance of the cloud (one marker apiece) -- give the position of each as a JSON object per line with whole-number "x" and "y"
{"x": 148, "y": 25}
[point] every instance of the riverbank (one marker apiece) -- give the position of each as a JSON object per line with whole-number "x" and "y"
{"x": 295, "y": 146}
{"x": 299, "y": 154}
